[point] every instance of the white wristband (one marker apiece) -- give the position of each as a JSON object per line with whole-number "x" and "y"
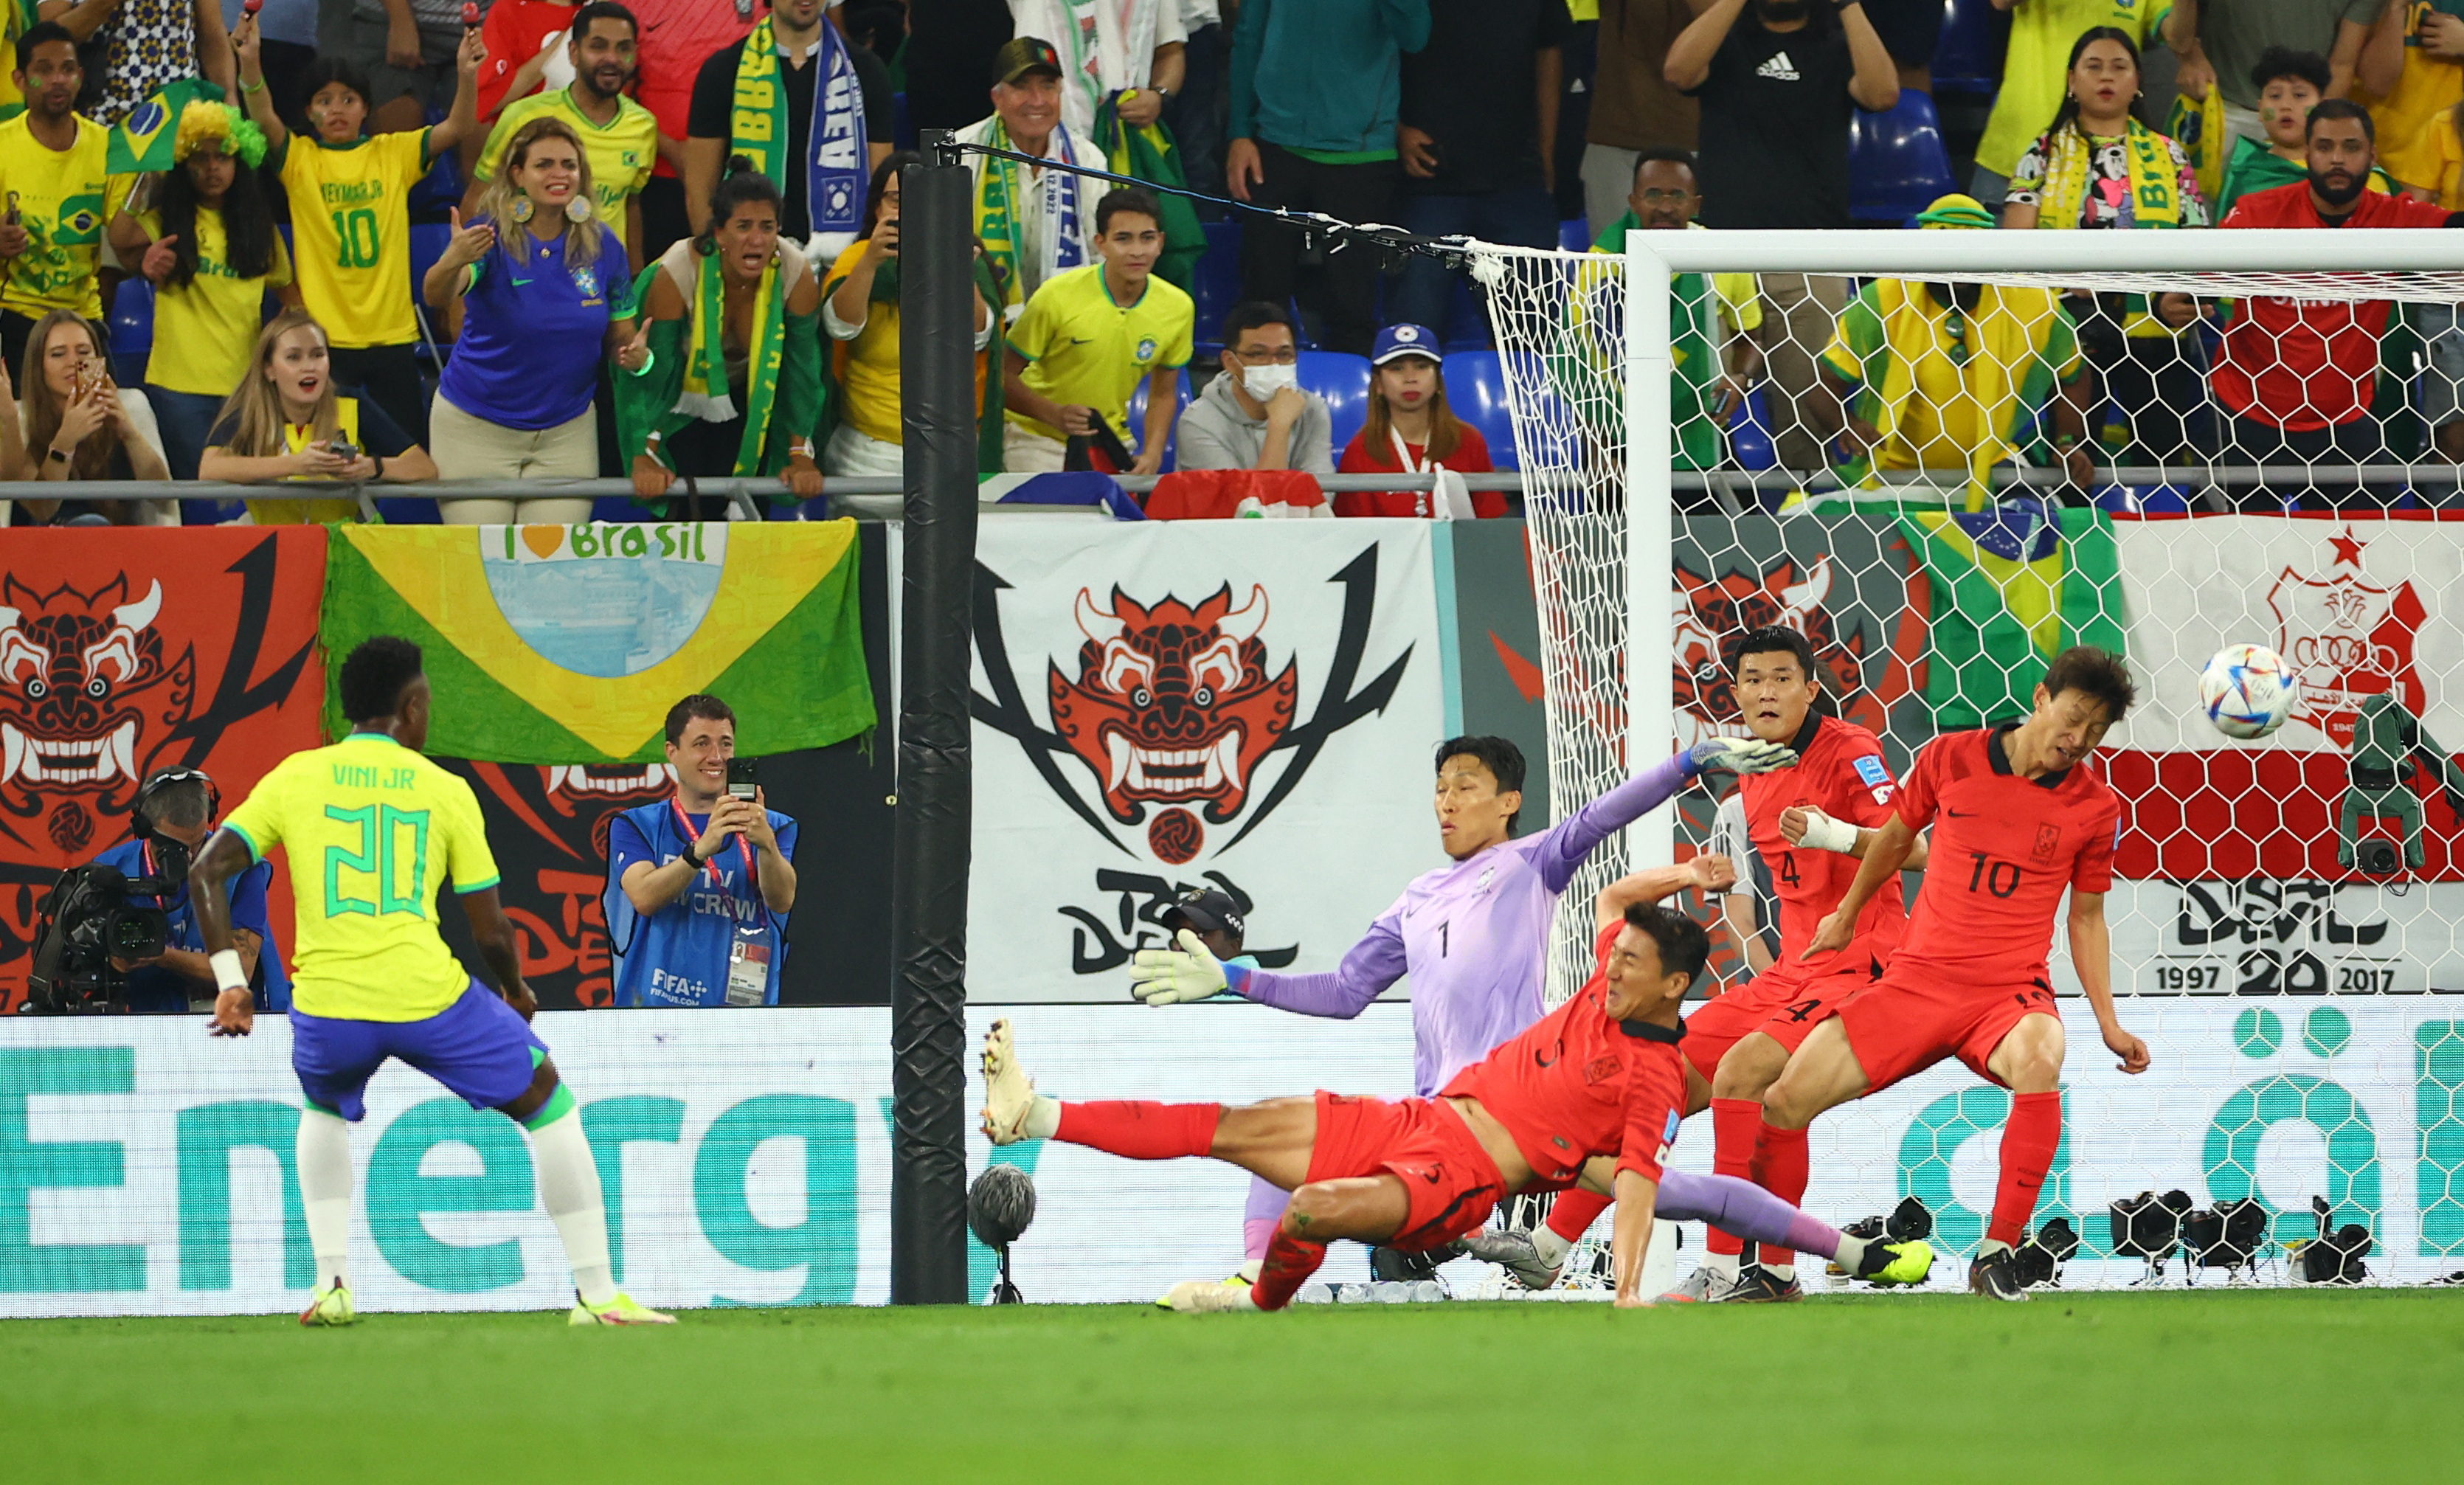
{"x": 228, "y": 973}
{"x": 1822, "y": 833}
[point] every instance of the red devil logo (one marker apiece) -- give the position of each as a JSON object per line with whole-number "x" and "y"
{"x": 1173, "y": 703}
{"x": 1711, "y": 612}
{"x": 75, "y": 671}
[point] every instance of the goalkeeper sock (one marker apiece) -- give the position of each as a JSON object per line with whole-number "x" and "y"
{"x": 323, "y": 1150}
{"x": 1780, "y": 1168}
{"x": 1137, "y": 1129}
{"x": 1261, "y": 1217}
{"x": 1734, "y": 1124}
{"x": 2029, "y": 1140}
{"x": 1288, "y": 1263}
{"x": 568, "y": 1179}
{"x": 1569, "y": 1217}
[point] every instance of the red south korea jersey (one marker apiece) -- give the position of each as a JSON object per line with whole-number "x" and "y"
{"x": 1575, "y": 1084}
{"x": 2004, "y": 850}
{"x": 1840, "y": 772}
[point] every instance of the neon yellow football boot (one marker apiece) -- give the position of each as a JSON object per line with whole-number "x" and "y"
{"x": 623, "y": 1310}
{"x": 1910, "y": 1262}
{"x": 330, "y": 1305}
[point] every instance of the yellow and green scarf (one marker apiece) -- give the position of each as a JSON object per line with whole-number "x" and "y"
{"x": 1000, "y": 198}
{"x": 2155, "y": 183}
{"x": 835, "y": 163}
{"x": 705, "y": 393}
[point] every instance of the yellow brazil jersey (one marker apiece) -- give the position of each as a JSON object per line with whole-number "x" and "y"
{"x": 373, "y": 830}
{"x": 622, "y": 152}
{"x": 350, "y": 221}
{"x": 296, "y": 436}
{"x": 2426, "y": 90}
{"x": 63, "y": 197}
{"x": 1084, "y": 350}
{"x": 205, "y": 331}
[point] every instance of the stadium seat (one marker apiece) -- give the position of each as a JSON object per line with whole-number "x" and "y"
{"x": 1897, "y": 163}
{"x": 132, "y": 330}
{"x": 1574, "y": 234}
{"x": 1137, "y": 412}
{"x": 1967, "y": 55}
{"x": 1216, "y": 285}
{"x": 1750, "y": 436}
{"x": 1466, "y": 327}
{"x": 1476, "y": 391}
{"x": 1343, "y": 380}
{"x": 428, "y": 241}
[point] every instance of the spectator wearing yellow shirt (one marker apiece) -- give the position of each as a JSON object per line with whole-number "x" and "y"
{"x": 2035, "y": 75}
{"x": 2421, "y": 47}
{"x": 56, "y": 196}
{"x": 1089, "y": 335}
{"x": 860, "y": 315}
{"x": 619, "y": 136}
{"x": 209, "y": 248}
{"x": 286, "y": 420}
{"x": 350, "y": 216}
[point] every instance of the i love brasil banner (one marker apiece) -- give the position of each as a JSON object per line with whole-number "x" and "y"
{"x": 568, "y": 645}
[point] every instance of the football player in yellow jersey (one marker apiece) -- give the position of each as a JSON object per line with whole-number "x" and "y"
{"x": 373, "y": 830}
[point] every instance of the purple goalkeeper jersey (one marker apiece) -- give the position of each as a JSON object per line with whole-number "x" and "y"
{"x": 1473, "y": 935}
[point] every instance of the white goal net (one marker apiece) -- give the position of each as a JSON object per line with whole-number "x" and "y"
{"x": 1957, "y": 453}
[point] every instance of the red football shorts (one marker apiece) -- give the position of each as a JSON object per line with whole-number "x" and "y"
{"x": 1453, "y": 1184}
{"x": 1917, "y": 1014}
{"x": 1785, "y": 1003}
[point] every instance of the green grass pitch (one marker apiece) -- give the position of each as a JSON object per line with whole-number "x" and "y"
{"x": 2213, "y": 1386}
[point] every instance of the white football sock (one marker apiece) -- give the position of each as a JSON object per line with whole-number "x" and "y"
{"x": 1783, "y": 1272}
{"x": 1043, "y": 1118}
{"x": 323, "y": 1150}
{"x": 1989, "y": 1248}
{"x": 1551, "y": 1247}
{"x": 569, "y": 1187}
{"x": 1723, "y": 1264}
{"x": 1850, "y": 1256}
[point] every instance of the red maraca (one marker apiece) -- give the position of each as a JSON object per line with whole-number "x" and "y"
{"x": 250, "y": 7}
{"x": 470, "y": 15}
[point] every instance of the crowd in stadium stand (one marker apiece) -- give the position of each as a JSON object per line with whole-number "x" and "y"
{"x": 400, "y": 241}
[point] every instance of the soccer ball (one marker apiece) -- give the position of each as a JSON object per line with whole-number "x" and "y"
{"x": 2246, "y": 690}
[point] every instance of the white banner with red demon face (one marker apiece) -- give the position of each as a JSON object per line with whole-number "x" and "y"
{"x": 1241, "y": 705}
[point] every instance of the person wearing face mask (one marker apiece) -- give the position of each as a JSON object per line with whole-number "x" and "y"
{"x": 860, "y": 315}
{"x": 1256, "y": 415}
{"x": 1779, "y": 82}
{"x": 723, "y": 377}
{"x": 2298, "y": 377}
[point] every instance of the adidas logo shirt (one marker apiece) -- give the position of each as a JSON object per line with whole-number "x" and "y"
{"x": 1775, "y": 119}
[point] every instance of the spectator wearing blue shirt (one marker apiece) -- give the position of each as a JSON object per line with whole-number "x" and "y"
{"x": 543, "y": 303}
{"x": 173, "y": 813}
{"x": 700, "y": 883}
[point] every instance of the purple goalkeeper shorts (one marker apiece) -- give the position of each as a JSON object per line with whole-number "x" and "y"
{"x": 478, "y": 1047}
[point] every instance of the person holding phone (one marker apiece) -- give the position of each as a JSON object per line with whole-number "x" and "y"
{"x": 700, "y": 884}
{"x": 285, "y": 421}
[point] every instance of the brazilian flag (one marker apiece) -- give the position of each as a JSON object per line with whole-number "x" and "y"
{"x": 2011, "y": 587}
{"x": 568, "y": 643}
{"x": 1151, "y": 153}
{"x": 142, "y": 141}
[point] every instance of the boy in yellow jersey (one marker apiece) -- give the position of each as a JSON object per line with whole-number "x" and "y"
{"x": 54, "y": 194}
{"x": 620, "y": 137}
{"x": 1088, "y": 337}
{"x": 350, "y": 216}
{"x": 373, "y": 830}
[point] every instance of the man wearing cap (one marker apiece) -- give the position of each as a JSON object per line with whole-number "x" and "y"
{"x": 764, "y": 96}
{"x": 1949, "y": 376}
{"x": 1035, "y": 223}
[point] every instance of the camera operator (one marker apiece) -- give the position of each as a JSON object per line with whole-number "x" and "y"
{"x": 701, "y": 882}
{"x": 173, "y": 813}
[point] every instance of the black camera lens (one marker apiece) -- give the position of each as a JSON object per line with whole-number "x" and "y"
{"x": 2377, "y": 857}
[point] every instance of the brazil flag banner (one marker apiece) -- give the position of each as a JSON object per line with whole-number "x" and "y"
{"x": 568, "y": 645}
{"x": 142, "y": 141}
{"x": 2012, "y": 588}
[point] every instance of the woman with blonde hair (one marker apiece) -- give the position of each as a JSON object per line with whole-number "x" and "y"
{"x": 286, "y": 422}
{"x": 79, "y": 425}
{"x": 545, "y": 292}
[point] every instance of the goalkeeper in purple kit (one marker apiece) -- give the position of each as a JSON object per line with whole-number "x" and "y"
{"x": 1472, "y": 934}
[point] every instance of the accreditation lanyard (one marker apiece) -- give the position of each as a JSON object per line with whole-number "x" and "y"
{"x": 748, "y": 955}
{"x": 1427, "y": 501}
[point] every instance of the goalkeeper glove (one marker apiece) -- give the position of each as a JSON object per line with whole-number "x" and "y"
{"x": 1738, "y": 756}
{"x": 1172, "y": 976}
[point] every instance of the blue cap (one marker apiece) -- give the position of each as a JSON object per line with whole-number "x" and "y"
{"x": 1404, "y": 340}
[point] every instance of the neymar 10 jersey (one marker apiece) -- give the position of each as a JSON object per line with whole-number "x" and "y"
{"x": 1840, "y": 772}
{"x": 2004, "y": 850}
{"x": 373, "y": 830}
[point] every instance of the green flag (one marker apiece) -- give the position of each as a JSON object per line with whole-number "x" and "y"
{"x": 1150, "y": 153}
{"x": 2009, "y": 592}
{"x": 144, "y": 140}
{"x": 568, "y": 643}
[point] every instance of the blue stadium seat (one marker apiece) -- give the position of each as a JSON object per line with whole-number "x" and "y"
{"x": 1138, "y": 417}
{"x": 442, "y": 185}
{"x": 132, "y": 331}
{"x": 1967, "y": 55}
{"x": 2144, "y": 499}
{"x": 1216, "y": 287}
{"x": 1342, "y": 378}
{"x": 1574, "y": 234}
{"x": 1897, "y": 162}
{"x": 1476, "y": 391}
{"x": 427, "y": 243}
{"x": 1466, "y": 327}
{"x": 1750, "y": 435}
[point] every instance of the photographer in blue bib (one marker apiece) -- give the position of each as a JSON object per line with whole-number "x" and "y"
{"x": 173, "y": 813}
{"x": 700, "y": 883}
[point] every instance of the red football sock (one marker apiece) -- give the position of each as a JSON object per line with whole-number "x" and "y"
{"x": 1571, "y": 1214}
{"x": 1734, "y": 1123}
{"x": 2029, "y": 1140}
{"x": 1288, "y": 1265}
{"x": 1141, "y": 1130}
{"x": 1780, "y": 1169}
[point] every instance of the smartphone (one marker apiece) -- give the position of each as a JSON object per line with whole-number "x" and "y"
{"x": 344, "y": 449}
{"x": 743, "y": 777}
